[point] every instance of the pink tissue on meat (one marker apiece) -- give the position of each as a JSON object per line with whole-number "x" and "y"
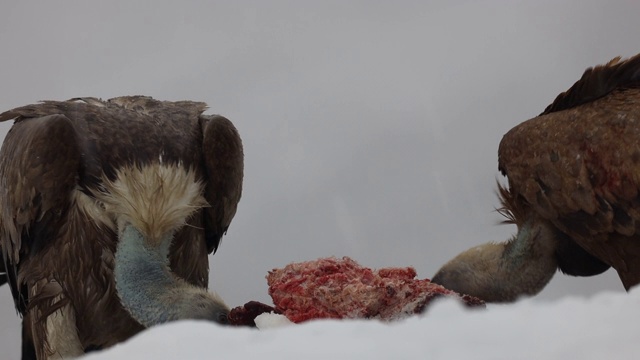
{"x": 332, "y": 288}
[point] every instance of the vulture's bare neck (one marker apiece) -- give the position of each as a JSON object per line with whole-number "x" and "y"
{"x": 503, "y": 272}
{"x": 148, "y": 289}
{"x": 148, "y": 205}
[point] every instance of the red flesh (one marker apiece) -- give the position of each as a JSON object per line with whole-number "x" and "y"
{"x": 341, "y": 288}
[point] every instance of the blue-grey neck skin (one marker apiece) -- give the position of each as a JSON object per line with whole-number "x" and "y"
{"x": 519, "y": 249}
{"x": 141, "y": 275}
{"x": 148, "y": 289}
{"x": 504, "y": 272}
{"x": 527, "y": 263}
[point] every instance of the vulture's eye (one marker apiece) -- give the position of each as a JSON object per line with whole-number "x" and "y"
{"x": 223, "y": 319}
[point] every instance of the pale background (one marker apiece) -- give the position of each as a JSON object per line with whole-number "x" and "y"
{"x": 370, "y": 128}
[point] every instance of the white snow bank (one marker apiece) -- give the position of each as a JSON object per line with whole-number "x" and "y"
{"x": 271, "y": 321}
{"x": 605, "y": 326}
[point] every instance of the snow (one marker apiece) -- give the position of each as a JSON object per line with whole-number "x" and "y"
{"x": 604, "y": 326}
{"x": 271, "y": 321}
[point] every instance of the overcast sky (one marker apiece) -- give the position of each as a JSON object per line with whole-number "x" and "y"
{"x": 370, "y": 129}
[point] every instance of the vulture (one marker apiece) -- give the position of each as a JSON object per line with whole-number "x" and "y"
{"x": 108, "y": 212}
{"x": 573, "y": 192}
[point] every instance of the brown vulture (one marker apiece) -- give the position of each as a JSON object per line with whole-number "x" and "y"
{"x": 574, "y": 180}
{"x": 108, "y": 211}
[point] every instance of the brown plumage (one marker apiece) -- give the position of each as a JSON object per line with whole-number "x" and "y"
{"x": 60, "y": 223}
{"x": 573, "y": 174}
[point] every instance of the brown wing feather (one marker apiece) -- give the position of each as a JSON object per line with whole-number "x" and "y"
{"x": 224, "y": 163}
{"x": 597, "y": 82}
{"x": 578, "y": 165}
{"x": 39, "y": 163}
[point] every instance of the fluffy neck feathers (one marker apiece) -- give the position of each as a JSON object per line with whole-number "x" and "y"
{"x": 156, "y": 199}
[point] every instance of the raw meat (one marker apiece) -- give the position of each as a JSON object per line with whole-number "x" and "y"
{"x": 341, "y": 288}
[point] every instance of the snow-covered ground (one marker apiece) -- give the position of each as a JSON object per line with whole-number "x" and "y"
{"x": 604, "y": 326}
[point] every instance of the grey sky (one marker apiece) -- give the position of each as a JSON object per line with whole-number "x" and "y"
{"x": 370, "y": 129}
